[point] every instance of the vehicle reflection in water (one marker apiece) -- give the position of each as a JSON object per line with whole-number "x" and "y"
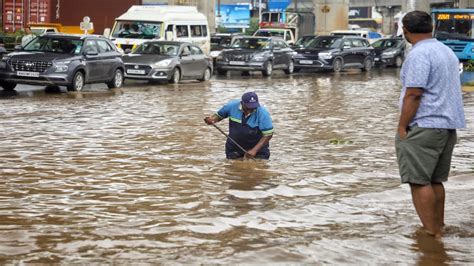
{"x": 134, "y": 175}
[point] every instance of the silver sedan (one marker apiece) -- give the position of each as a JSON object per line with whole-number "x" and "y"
{"x": 167, "y": 61}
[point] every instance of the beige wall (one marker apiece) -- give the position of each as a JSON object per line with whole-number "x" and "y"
{"x": 331, "y": 15}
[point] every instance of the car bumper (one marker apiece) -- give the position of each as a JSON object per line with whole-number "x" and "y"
{"x": 59, "y": 79}
{"x": 312, "y": 64}
{"x": 153, "y": 74}
{"x": 245, "y": 66}
{"x": 378, "y": 60}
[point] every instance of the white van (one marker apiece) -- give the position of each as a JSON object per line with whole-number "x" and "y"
{"x": 178, "y": 23}
{"x": 371, "y": 36}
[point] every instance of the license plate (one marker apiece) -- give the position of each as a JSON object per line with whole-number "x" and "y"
{"x": 306, "y": 62}
{"x": 376, "y": 59}
{"x": 27, "y": 74}
{"x": 238, "y": 63}
{"x": 136, "y": 71}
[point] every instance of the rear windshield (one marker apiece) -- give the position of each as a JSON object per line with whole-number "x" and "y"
{"x": 55, "y": 45}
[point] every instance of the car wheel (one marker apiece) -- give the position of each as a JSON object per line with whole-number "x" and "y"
{"x": 117, "y": 81}
{"x": 77, "y": 83}
{"x": 398, "y": 61}
{"x": 291, "y": 68}
{"x": 367, "y": 64}
{"x": 8, "y": 86}
{"x": 176, "y": 76}
{"x": 337, "y": 65}
{"x": 222, "y": 72}
{"x": 207, "y": 75}
{"x": 268, "y": 69}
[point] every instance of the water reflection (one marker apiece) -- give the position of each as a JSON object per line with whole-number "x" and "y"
{"x": 134, "y": 175}
{"x": 431, "y": 251}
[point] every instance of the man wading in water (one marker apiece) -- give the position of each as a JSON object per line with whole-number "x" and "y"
{"x": 250, "y": 127}
{"x": 431, "y": 111}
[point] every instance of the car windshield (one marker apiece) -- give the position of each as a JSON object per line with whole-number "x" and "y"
{"x": 220, "y": 41}
{"x": 303, "y": 41}
{"x": 55, "y": 45}
{"x": 252, "y": 43}
{"x": 386, "y": 43}
{"x": 157, "y": 48}
{"x": 137, "y": 30}
{"x": 324, "y": 43}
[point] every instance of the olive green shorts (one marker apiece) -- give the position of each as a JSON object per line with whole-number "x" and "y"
{"x": 424, "y": 156}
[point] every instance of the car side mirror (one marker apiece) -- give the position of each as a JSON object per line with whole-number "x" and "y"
{"x": 3, "y": 50}
{"x": 185, "y": 53}
{"x": 277, "y": 48}
{"x": 91, "y": 53}
{"x": 127, "y": 51}
{"x": 18, "y": 47}
{"x": 346, "y": 47}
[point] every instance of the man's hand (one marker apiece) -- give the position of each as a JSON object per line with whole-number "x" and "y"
{"x": 250, "y": 154}
{"x": 209, "y": 120}
{"x": 402, "y": 132}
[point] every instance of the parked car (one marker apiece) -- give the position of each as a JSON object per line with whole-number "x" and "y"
{"x": 221, "y": 41}
{"x": 389, "y": 51}
{"x": 167, "y": 61}
{"x": 371, "y": 36}
{"x": 256, "y": 54}
{"x": 63, "y": 60}
{"x": 335, "y": 53}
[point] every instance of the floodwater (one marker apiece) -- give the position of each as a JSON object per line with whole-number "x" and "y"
{"x": 134, "y": 175}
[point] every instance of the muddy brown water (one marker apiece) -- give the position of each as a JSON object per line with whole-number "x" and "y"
{"x": 134, "y": 175}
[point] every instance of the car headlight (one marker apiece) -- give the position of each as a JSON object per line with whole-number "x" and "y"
{"x": 259, "y": 58}
{"x": 5, "y": 57}
{"x": 215, "y": 53}
{"x": 325, "y": 55}
{"x": 389, "y": 54}
{"x": 61, "y": 66}
{"x": 163, "y": 63}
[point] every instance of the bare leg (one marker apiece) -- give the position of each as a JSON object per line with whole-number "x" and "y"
{"x": 424, "y": 200}
{"x": 438, "y": 189}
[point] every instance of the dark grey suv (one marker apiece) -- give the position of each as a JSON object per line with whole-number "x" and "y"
{"x": 335, "y": 53}
{"x": 63, "y": 60}
{"x": 256, "y": 54}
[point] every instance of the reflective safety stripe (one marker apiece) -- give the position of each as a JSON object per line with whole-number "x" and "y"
{"x": 267, "y": 132}
{"x": 219, "y": 116}
{"x": 235, "y": 120}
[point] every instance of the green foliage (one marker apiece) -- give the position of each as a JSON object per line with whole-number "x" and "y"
{"x": 253, "y": 26}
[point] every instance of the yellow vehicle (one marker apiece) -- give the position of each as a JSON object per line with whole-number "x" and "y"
{"x": 373, "y": 24}
{"x": 40, "y": 28}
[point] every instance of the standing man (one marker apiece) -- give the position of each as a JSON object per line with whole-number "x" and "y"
{"x": 250, "y": 125}
{"x": 431, "y": 110}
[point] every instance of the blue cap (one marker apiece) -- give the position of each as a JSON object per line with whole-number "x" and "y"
{"x": 250, "y": 100}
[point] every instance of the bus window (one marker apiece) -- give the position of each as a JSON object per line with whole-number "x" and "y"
{"x": 182, "y": 31}
{"x": 204, "y": 30}
{"x": 196, "y": 31}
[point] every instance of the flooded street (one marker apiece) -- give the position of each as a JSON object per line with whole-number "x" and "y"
{"x": 135, "y": 175}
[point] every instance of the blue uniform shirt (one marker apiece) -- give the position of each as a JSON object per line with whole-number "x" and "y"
{"x": 434, "y": 67}
{"x": 246, "y": 131}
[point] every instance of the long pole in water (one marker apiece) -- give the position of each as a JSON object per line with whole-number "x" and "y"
{"x": 233, "y": 141}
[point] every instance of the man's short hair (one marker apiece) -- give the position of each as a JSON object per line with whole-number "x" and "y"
{"x": 418, "y": 22}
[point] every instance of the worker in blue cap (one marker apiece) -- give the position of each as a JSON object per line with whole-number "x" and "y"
{"x": 250, "y": 127}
